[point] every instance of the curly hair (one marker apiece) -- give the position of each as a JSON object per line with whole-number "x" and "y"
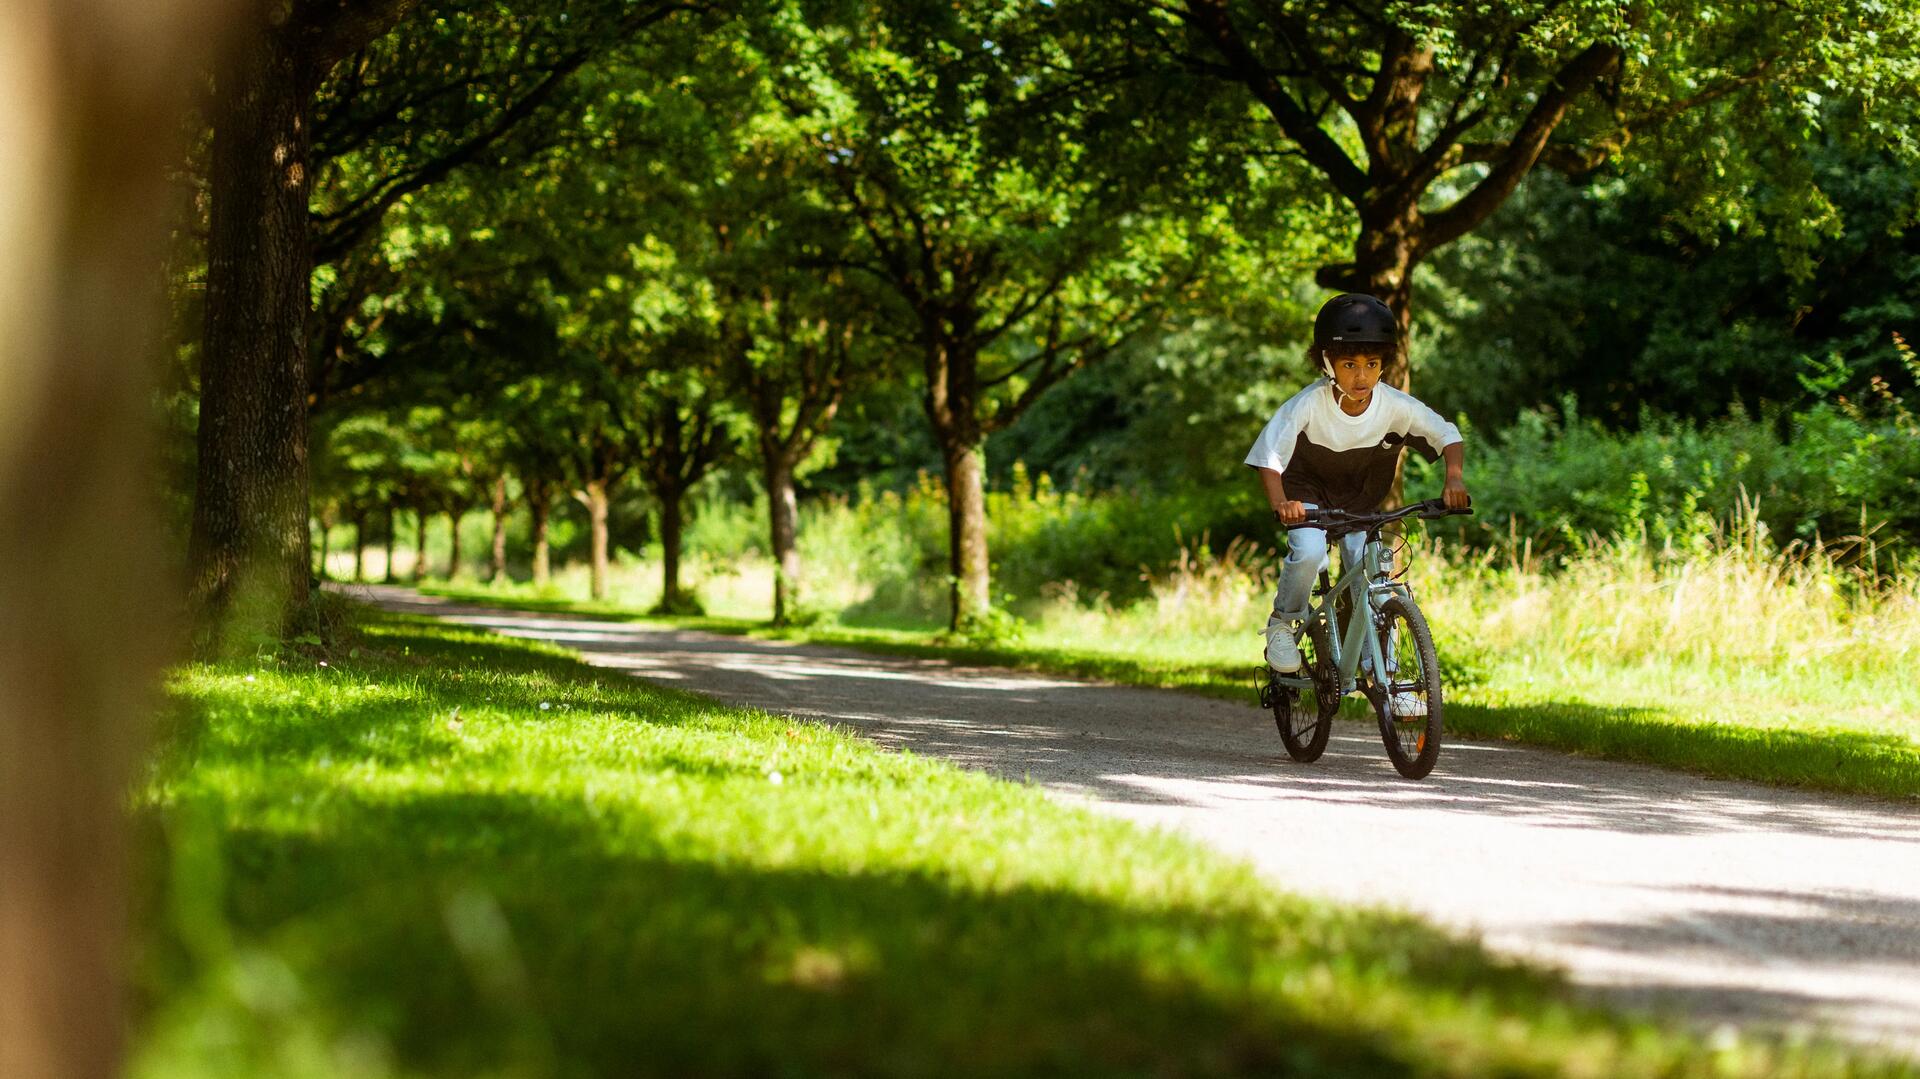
{"x": 1342, "y": 349}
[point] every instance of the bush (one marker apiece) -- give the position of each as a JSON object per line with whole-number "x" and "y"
{"x": 1557, "y": 483}
{"x": 885, "y": 553}
{"x": 1842, "y": 476}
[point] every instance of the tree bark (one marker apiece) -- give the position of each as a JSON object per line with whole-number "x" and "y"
{"x": 419, "y": 571}
{"x": 594, "y": 495}
{"x": 952, "y": 406}
{"x": 542, "y": 507}
{"x": 90, "y": 114}
{"x": 679, "y": 441}
{"x": 499, "y": 507}
{"x": 1385, "y": 256}
{"x": 783, "y": 514}
{"x": 390, "y": 575}
{"x": 453, "y": 553}
{"x": 672, "y": 506}
{"x": 249, "y": 547}
{"x": 970, "y": 597}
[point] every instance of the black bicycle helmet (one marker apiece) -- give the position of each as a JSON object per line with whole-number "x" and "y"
{"x": 1355, "y": 318}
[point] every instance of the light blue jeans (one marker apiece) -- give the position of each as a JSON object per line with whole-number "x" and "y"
{"x": 1306, "y": 557}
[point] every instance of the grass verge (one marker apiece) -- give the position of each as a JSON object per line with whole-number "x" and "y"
{"x": 1707, "y": 730}
{"x": 430, "y": 851}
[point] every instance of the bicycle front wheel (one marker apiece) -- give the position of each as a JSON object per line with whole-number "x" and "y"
{"x": 1407, "y": 700}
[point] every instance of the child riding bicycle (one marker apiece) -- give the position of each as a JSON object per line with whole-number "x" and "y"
{"x": 1336, "y": 445}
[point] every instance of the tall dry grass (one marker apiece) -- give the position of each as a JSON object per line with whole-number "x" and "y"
{"x": 1732, "y": 601}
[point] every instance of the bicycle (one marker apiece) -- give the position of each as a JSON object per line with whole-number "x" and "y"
{"x": 1335, "y": 646}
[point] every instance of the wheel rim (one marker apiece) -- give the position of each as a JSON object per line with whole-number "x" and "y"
{"x": 1302, "y": 721}
{"x": 1406, "y": 674}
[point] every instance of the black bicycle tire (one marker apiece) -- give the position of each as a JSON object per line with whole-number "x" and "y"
{"x": 1421, "y": 764}
{"x": 1305, "y": 750}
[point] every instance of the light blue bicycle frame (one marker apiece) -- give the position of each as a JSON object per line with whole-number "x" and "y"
{"x": 1367, "y": 589}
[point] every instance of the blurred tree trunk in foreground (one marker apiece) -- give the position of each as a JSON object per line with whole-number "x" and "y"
{"x": 89, "y": 91}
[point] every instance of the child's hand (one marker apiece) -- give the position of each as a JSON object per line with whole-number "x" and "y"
{"x": 1290, "y": 513}
{"x": 1454, "y": 494}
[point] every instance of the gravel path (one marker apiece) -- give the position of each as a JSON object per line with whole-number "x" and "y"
{"x": 1733, "y": 903}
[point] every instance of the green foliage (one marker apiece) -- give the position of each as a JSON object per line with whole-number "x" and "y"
{"x": 1596, "y": 290}
{"x": 1560, "y": 481}
{"x": 1045, "y": 539}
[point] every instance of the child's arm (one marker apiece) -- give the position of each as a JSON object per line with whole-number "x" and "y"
{"x": 1288, "y": 511}
{"x": 1454, "y": 494}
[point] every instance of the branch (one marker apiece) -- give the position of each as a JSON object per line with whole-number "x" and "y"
{"x": 897, "y": 275}
{"x": 1522, "y": 150}
{"x": 357, "y": 218}
{"x": 1367, "y": 114}
{"x": 1084, "y": 350}
{"x": 1656, "y": 117}
{"x": 1296, "y": 39}
{"x": 1211, "y": 19}
{"x": 898, "y": 208}
{"x": 340, "y": 133}
{"x": 1031, "y": 302}
{"x": 332, "y": 30}
{"x": 351, "y": 223}
{"x": 1576, "y": 161}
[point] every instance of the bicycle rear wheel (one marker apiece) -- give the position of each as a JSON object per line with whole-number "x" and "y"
{"x": 1304, "y": 728}
{"x": 1413, "y": 679}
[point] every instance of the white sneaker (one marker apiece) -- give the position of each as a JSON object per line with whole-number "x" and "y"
{"x": 1407, "y": 705}
{"x": 1282, "y": 654}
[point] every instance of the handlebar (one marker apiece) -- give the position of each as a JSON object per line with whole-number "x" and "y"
{"x": 1340, "y": 522}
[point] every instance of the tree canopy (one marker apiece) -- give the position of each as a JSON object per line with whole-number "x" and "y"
{"x": 627, "y": 251}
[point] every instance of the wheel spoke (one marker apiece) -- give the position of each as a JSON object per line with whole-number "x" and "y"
{"x": 1412, "y": 740}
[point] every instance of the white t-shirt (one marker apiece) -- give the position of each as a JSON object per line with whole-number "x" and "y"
{"x": 1347, "y": 462}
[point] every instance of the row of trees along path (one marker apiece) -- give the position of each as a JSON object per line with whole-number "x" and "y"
{"x": 741, "y": 211}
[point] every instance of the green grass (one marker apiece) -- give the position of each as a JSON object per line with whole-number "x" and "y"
{"x": 1696, "y": 717}
{"x": 434, "y": 852}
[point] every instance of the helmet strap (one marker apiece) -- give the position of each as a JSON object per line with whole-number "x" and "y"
{"x": 1339, "y": 392}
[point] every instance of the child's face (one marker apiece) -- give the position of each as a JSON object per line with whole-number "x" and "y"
{"x": 1356, "y": 373}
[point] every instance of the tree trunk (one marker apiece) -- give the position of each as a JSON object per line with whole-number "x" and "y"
{"x": 249, "y": 547}
{"x": 360, "y": 548}
{"x": 966, "y": 534}
{"x": 453, "y": 555}
{"x": 1395, "y": 288}
{"x": 499, "y": 507}
{"x": 1385, "y": 258}
{"x": 541, "y": 508}
{"x": 326, "y": 541}
{"x": 595, "y": 496}
{"x": 783, "y": 514}
{"x": 419, "y": 543}
{"x": 90, "y": 115}
{"x": 672, "y": 525}
{"x": 390, "y": 576}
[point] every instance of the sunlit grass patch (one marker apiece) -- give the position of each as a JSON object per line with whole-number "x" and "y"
{"x": 401, "y": 863}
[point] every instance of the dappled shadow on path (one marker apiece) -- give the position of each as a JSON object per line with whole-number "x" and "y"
{"x": 1571, "y": 858}
{"x": 1815, "y": 957}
